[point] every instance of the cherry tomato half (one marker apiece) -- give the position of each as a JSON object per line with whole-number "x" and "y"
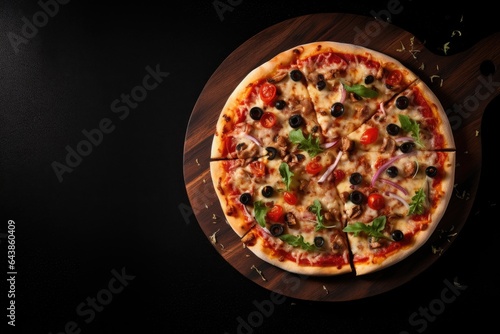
{"x": 313, "y": 167}
{"x": 394, "y": 78}
{"x": 275, "y": 213}
{"x": 267, "y": 92}
{"x": 369, "y": 136}
{"x": 376, "y": 201}
{"x": 290, "y": 197}
{"x": 268, "y": 120}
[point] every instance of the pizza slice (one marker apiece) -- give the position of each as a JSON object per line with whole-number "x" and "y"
{"x": 412, "y": 119}
{"x": 348, "y": 84}
{"x": 393, "y": 203}
{"x": 299, "y": 227}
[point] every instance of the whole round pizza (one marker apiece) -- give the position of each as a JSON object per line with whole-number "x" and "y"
{"x": 331, "y": 158}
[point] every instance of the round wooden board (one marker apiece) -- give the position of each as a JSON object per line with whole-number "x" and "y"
{"x": 457, "y": 81}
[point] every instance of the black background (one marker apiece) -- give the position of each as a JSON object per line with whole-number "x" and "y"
{"x": 124, "y": 208}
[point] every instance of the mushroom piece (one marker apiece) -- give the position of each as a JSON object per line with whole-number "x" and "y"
{"x": 347, "y": 145}
{"x": 290, "y": 219}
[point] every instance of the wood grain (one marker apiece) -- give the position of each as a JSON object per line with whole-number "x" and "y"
{"x": 457, "y": 81}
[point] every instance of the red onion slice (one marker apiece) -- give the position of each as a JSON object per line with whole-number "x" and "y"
{"x": 387, "y": 164}
{"x": 394, "y": 184}
{"x": 382, "y": 109}
{"x": 399, "y": 198}
{"x": 330, "y": 168}
{"x": 404, "y": 139}
{"x": 252, "y": 138}
{"x": 329, "y": 144}
{"x": 343, "y": 93}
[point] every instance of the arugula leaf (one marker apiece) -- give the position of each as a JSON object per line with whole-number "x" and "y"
{"x": 297, "y": 241}
{"x": 260, "y": 210}
{"x": 286, "y": 174}
{"x": 309, "y": 144}
{"x": 361, "y": 90}
{"x": 374, "y": 229}
{"x": 316, "y": 208}
{"x": 411, "y": 126}
{"x": 417, "y": 202}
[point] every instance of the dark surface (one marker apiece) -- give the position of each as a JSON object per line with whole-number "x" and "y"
{"x": 124, "y": 208}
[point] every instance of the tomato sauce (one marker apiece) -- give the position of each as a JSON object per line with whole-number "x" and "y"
{"x": 430, "y": 119}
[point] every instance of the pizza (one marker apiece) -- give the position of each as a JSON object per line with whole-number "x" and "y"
{"x": 331, "y": 158}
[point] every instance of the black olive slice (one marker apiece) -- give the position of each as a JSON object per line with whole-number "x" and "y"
{"x": 393, "y": 129}
{"x": 407, "y": 147}
{"x": 280, "y": 104}
{"x": 402, "y": 102}
{"x": 431, "y": 171}
{"x": 300, "y": 156}
{"x": 245, "y": 198}
{"x": 296, "y": 75}
{"x": 397, "y": 235}
{"x": 356, "y": 178}
{"x": 256, "y": 113}
{"x": 271, "y": 152}
{"x": 295, "y": 121}
{"x": 319, "y": 242}
{"x": 337, "y": 109}
{"x": 277, "y": 229}
{"x": 321, "y": 85}
{"x": 369, "y": 79}
{"x": 357, "y": 197}
{"x": 267, "y": 191}
{"x": 392, "y": 171}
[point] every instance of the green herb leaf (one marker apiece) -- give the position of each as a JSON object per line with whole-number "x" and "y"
{"x": 286, "y": 174}
{"x": 260, "y": 210}
{"x": 361, "y": 90}
{"x": 309, "y": 144}
{"x": 316, "y": 208}
{"x": 374, "y": 229}
{"x": 411, "y": 126}
{"x": 417, "y": 202}
{"x": 297, "y": 241}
